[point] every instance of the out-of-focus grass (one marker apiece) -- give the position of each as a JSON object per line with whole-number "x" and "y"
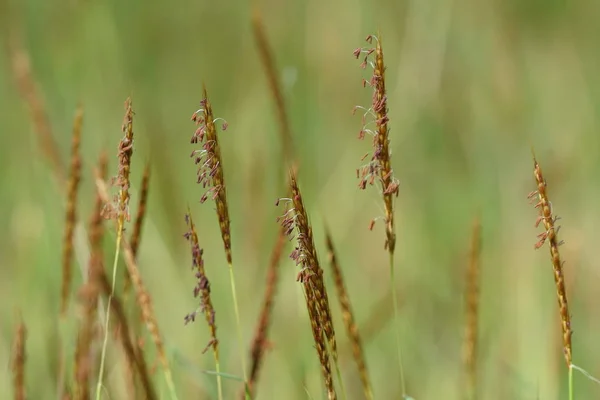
{"x": 472, "y": 86}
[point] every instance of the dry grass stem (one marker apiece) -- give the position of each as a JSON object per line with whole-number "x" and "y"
{"x": 268, "y": 62}
{"x": 71, "y": 213}
{"x": 18, "y": 362}
{"x": 89, "y": 296}
{"x": 202, "y": 290}
{"x": 260, "y": 342}
{"x": 295, "y": 219}
{"x": 472, "y": 314}
{"x": 549, "y": 235}
{"x": 348, "y": 317}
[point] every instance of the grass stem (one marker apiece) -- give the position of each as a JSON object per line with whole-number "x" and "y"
{"x": 397, "y": 330}
{"x": 108, "y": 306}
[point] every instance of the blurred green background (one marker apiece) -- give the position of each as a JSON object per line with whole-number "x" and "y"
{"x": 473, "y": 85}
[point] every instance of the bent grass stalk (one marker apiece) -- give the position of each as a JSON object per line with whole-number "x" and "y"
{"x": 210, "y": 174}
{"x": 121, "y": 214}
{"x": 378, "y": 169}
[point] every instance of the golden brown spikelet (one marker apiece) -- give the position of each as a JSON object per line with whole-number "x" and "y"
{"x": 259, "y": 343}
{"x": 472, "y": 315}
{"x": 547, "y": 218}
{"x": 379, "y": 168}
{"x": 18, "y": 362}
{"x": 348, "y": 317}
{"x": 135, "y": 359}
{"x": 89, "y": 295}
{"x": 210, "y": 171}
{"x": 71, "y": 213}
{"x": 266, "y": 57}
{"x": 295, "y": 219}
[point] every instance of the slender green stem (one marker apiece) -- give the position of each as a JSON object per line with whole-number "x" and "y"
{"x": 107, "y": 319}
{"x": 395, "y": 301}
{"x": 571, "y": 397}
{"x": 237, "y": 320}
{"x": 218, "y": 371}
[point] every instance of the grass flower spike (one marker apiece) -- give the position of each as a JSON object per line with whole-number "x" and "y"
{"x": 202, "y": 290}
{"x": 211, "y": 177}
{"x": 295, "y": 221}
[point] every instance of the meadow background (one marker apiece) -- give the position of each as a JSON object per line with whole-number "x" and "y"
{"x": 472, "y": 86}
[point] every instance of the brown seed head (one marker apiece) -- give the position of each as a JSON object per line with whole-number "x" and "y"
{"x": 295, "y": 219}
{"x": 379, "y": 168}
{"x": 210, "y": 168}
{"x": 71, "y": 213}
{"x": 202, "y": 288}
{"x": 550, "y": 235}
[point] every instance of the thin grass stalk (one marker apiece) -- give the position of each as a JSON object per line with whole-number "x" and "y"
{"x": 121, "y": 215}
{"x": 71, "y": 212}
{"x": 210, "y": 174}
{"x": 202, "y": 290}
{"x": 472, "y": 315}
{"x": 348, "y": 317}
{"x": 143, "y": 299}
{"x": 89, "y": 295}
{"x": 134, "y": 358}
{"x": 295, "y": 219}
{"x": 259, "y": 343}
{"x": 548, "y": 219}
{"x": 18, "y": 362}
{"x": 378, "y": 169}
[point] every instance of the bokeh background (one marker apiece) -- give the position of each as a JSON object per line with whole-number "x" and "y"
{"x": 473, "y": 85}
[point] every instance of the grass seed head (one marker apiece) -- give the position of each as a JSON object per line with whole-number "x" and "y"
{"x": 295, "y": 219}
{"x": 202, "y": 288}
{"x": 376, "y": 124}
{"x": 549, "y": 235}
{"x": 210, "y": 166}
